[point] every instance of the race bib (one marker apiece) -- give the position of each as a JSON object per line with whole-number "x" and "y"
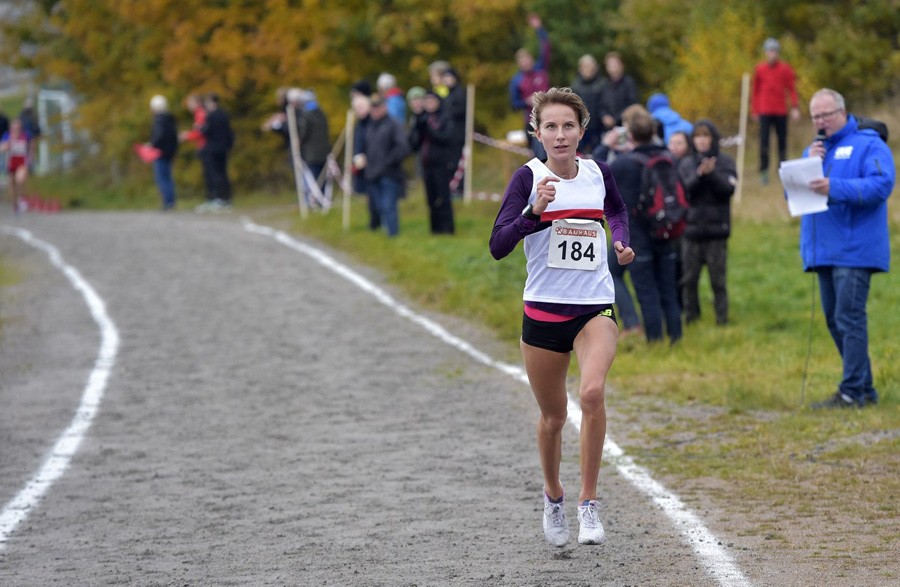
{"x": 575, "y": 244}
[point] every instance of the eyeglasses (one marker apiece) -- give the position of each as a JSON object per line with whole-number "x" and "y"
{"x": 825, "y": 115}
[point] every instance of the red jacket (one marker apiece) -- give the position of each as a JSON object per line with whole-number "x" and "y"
{"x": 773, "y": 85}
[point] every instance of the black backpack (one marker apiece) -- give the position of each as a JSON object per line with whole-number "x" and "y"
{"x": 662, "y": 204}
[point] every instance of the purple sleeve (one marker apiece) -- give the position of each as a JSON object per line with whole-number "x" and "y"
{"x": 510, "y": 226}
{"x": 614, "y": 207}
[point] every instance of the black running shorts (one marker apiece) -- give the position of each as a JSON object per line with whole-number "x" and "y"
{"x": 559, "y": 336}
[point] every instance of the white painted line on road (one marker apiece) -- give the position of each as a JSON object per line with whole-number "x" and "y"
{"x": 707, "y": 547}
{"x": 59, "y": 458}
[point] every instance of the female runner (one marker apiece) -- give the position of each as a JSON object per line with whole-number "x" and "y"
{"x": 557, "y": 207}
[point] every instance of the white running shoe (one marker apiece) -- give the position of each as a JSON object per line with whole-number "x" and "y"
{"x": 556, "y": 527}
{"x": 591, "y": 530}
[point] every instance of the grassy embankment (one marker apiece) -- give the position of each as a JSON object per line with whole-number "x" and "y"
{"x": 724, "y": 411}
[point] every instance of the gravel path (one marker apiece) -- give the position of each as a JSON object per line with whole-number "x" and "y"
{"x": 268, "y": 423}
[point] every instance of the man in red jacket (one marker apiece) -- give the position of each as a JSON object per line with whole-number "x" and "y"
{"x": 773, "y": 87}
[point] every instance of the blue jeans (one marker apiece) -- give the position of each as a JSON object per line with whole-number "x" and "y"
{"x": 162, "y": 173}
{"x": 845, "y": 292}
{"x": 653, "y": 275}
{"x": 384, "y": 192}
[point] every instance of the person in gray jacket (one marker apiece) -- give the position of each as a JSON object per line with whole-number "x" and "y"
{"x": 386, "y": 146}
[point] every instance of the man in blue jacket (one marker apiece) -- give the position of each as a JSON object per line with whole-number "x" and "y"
{"x": 849, "y": 242}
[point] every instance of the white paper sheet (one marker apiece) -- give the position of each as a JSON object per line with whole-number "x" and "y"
{"x": 795, "y": 177}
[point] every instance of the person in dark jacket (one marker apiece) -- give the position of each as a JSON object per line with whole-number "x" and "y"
{"x": 619, "y": 91}
{"x": 312, "y": 127}
{"x": 361, "y": 104}
{"x": 219, "y": 137}
{"x": 709, "y": 177}
{"x": 386, "y": 146}
{"x": 654, "y": 267}
{"x": 432, "y": 136}
{"x": 164, "y": 136}
{"x": 588, "y": 84}
{"x": 454, "y": 107}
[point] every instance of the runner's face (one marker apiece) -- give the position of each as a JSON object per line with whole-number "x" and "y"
{"x": 559, "y": 132}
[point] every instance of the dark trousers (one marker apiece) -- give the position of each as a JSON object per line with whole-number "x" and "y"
{"x": 694, "y": 255}
{"x": 653, "y": 276}
{"x": 766, "y": 122}
{"x": 437, "y": 194}
{"x": 218, "y": 186}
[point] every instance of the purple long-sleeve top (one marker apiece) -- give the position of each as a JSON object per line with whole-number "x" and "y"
{"x": 510, "y": 226}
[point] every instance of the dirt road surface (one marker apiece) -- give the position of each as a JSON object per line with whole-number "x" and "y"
{"x": 266, "y": 422}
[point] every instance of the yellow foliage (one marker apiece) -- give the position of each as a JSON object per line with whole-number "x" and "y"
{"x": 712, "y": 63}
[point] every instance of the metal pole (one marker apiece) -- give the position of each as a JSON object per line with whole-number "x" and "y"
{"x": 745, "y": 98}
{"x": 467, "y": 149}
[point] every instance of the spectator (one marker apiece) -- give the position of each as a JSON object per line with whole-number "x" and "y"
{"x": 164, "y": 137}
{"x": 849, "y": 242}
{"x": 415, "y": 98}
{"x": 709, "y": 179}
{"x": 654, "y": 268}
{"x": 4, "y": 123}
{"x": 361, "y": 104}
{"x": 588, "y": 84}
{"x": 31, "y": 126}
{"x": 436, "y": 72}
{"x": 18, "y": 145}
{"x": 619, "y": 91}
{"x": 386, "y": 145}
{"x": 219, "y": 138}
{"x": 393, "y": 96}
{"x": 455, "y": 108}
{"x": 315, "y": 146}
{"x": 433, "y": 138}
{"x": 194, "y": 105}
{"x": 679, "y": 144}
{"x": 532, "y": 77}
{"x": 669, "y": 120}
{"x": 773, "y": 87}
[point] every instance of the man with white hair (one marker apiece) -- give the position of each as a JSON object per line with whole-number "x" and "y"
{"x": 164, "y": 137}
{"x": 849, "y": 242}
{"x": 393, "y": 96}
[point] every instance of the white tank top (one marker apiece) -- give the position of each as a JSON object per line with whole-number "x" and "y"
{"x": 580, "y": 197}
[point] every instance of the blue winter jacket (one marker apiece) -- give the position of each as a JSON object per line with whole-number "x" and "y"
{"x": 853, "y": 232}
{"x": 671, "y": 121}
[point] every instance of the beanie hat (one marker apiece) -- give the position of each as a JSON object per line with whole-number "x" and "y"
{"x": 772, "y": 44}
{"x": 415, "y": 93}
{"x": 362, "y": 87}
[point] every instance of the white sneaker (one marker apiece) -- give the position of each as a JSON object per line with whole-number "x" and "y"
{"x": 556, "y": 527}
{"x": 591, "y": 530}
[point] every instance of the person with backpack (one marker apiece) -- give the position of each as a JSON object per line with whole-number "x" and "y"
{"x": 648, "y": 181}
{"x": 709, "y": 177}
{"x": 848, "y": 242}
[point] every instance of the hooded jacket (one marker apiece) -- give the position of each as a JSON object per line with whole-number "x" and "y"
{"x": 671, "y": 121}
{"x": 709, "y": 196}
{"x": 853, "y": 232}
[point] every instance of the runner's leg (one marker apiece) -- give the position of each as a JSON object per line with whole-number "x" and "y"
{"x": 547, "y": 374}
{"x": 595, "y": 347}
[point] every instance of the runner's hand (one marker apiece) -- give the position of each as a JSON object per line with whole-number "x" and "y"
{"x": 546, "y": 193}
{"x": 624, "y": 254}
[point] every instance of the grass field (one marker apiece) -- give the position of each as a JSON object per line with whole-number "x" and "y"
{"x": 726, "y": 409}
